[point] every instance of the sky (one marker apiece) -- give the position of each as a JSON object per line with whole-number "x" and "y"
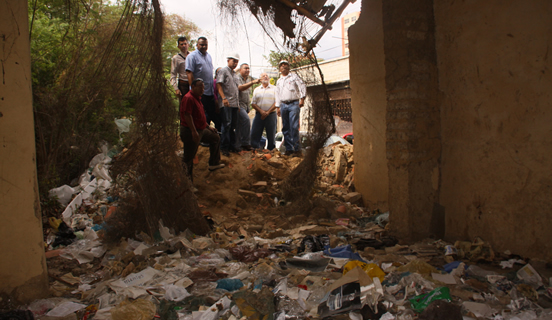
{"x": 246, "y": 37}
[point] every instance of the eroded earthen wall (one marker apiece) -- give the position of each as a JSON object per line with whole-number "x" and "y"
{"x": 496, "y": 117}
{"x": 368, "y": 101}
{"x": 413, "y": 127}
{"x": 23, "y": 274}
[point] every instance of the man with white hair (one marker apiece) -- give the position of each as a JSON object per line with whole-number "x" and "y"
{"x": 227, "y": 87}
{"x": 264, "y": 103}
{"x": 290, "y": 97}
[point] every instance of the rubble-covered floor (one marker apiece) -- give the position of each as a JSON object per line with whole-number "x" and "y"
{"x": 336, "y": 261}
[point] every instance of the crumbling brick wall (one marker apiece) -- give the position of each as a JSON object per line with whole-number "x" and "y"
{"x": 413, "y": 141}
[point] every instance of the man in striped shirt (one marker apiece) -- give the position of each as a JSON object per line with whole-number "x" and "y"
{"x": 264, "y": 103}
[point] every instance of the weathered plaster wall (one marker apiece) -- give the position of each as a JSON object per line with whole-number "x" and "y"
{"x": 413, "y": 126}
{"x": 23, "y": 273}
{"x": 368, "y": 100}
{"x": 495, "y": 76}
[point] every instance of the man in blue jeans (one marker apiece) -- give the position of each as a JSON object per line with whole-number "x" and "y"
{"x": 290, "y": 97}
{"x": 264, "y": 103}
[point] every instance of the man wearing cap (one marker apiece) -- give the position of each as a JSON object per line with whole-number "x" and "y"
{"x": 264, "y": 103}
{"x": 244, "y": 123}
{"x": 194, "y": 129}
{"x": 227, "y": 87}
{"x": 290, "y": 97}
{"x": 200, "y": 65}
{"x": 179, "y": 79}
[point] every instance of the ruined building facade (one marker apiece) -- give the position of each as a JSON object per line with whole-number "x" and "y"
{"x": 453, "y": 102}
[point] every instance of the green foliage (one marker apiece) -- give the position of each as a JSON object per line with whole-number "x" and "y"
{"x": 81, "y": 83}
{"x": 295, "y": 60}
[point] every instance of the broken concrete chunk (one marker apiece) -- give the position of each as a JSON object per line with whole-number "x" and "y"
{"x": 352, "y": 197}
{"x": 275, "y": 162}
{"x": 340, "y": 165}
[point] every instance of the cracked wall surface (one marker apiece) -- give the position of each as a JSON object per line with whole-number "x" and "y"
{"x": 496, "y": 81}
{"x": 465, "y": 87}
{"x": 23, "y": 274}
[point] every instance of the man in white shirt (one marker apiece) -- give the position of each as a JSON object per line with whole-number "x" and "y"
{"x": 264, "y": 103}
{"x": 179, "y": 79}
{"x": 290, "y": 97}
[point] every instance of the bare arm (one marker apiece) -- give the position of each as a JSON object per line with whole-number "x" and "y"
{"x": 190, "y": 76}
{"x": 222, "y": 96}
{"x": 246, "y": 86}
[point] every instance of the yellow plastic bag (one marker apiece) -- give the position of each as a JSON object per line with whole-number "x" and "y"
{"x": 371, "y": 269}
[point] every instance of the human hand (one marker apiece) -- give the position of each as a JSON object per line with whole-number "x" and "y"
{"x": 225, "y": 102}
{"x": 178, "y": 93}
{"x": 278, "y": 112}
{"x": 264, "y": 114}
{"x": 195, "y": 136}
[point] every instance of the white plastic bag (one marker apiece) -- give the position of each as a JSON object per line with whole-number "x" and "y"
{"x": 63, "y": 194}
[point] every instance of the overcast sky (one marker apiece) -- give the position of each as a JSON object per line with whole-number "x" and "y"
{"x": 249, "y": 39}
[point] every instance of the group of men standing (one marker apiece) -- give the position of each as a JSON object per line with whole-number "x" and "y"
{"x": 225, "y": 101}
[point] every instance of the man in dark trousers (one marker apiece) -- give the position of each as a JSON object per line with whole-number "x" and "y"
{"x": 194, "y": 129}
{"x": 179, "y": 79}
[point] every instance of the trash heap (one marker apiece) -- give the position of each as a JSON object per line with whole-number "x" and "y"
{"x": 336, "y": 261}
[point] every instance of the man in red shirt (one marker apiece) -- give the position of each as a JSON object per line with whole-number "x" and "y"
{"x": 194, "y": 129}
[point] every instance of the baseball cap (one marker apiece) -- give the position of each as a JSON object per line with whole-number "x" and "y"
{"x": 283, "y": 61}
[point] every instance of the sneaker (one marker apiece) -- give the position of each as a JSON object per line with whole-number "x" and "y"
{"x": 216, "y": 167}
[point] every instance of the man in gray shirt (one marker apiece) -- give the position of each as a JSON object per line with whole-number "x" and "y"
{"x": 200, "y": 65}
{"x": 227, "y": 88}
{"x": 244, "y": 123}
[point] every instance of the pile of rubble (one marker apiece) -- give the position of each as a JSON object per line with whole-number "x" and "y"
{"x": 335, "y": 261}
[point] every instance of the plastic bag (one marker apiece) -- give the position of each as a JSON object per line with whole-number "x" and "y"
{"x": 419, "y": 303}
{"x": 175, "y": 293}
{"x": 371, "y": 269}
{"x": 229, "y": 284}
{"x": 63, "y": 194}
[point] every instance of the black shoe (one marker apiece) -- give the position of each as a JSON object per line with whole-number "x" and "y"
{"x": 203, "y": 144}
{"x": 247, "y": 148}
{"x": 225, "y": 153}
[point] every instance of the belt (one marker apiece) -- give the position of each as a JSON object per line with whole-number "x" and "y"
{"x": 290, "y": 101}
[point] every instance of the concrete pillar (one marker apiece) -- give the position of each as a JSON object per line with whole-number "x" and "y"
{"x": 413, "y": 119}
{"x": 368, "y": 101}
{"x": 23, "y": 274}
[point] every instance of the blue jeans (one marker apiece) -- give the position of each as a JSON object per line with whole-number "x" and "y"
{"x": 243, "y": 130}
{"x": 269, "y": 123}
{"x": 290, "y": 125}
{"x": 229, "y": 123}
